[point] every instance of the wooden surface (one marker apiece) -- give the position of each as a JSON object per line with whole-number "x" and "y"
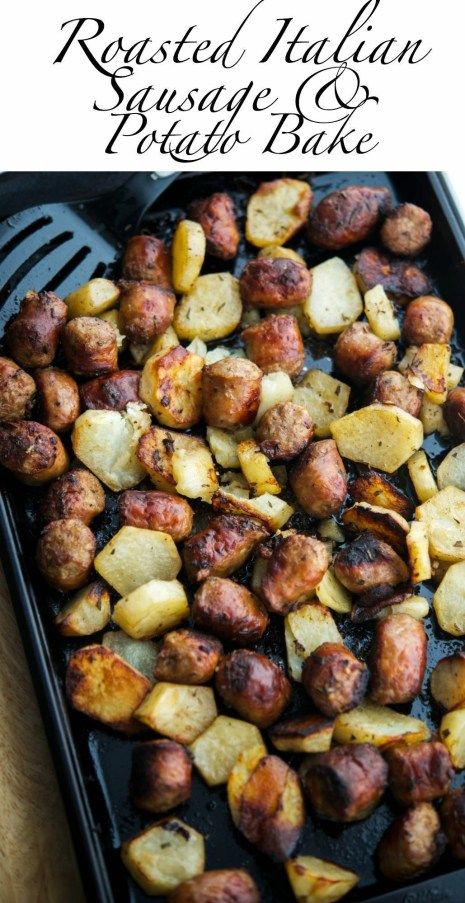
{"x": 37, "y": 863}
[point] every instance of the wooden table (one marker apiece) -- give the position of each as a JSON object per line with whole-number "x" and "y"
{"x": 37, "y": 863}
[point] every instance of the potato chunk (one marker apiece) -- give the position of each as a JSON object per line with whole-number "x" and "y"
{"x": 102, "y": 685}
{"x": 452, "y": 734}
{"x": 444, "y": 516}
{"x": 171, "y": 386}
{"x": 325, "y": 399}
{"x": 379, "y": 725}
{"x": 449, "y": 600}
{"x": 276, "y": 388}
{"x": 428, "y": 371}
{"x": 319, "y": 881}
{"x": 216, "y": 750}
{"x": 141, "y": 654}
{"x": 178, "y": 711}
{"x": 382, "y": 436}
{"x": 271, "y": 511}
{"x": 256, "y": 469}
{"x": 333, "y": 594}
{"x": 305, "y": 629}
{"x": 305, "y": 734}
{"x": 212, "y": 309}
{"x": 134, "y": 556}
{"x": 92, "y": 298}
{"x": 152, "y": 609}
{"x": 418, "y": 552}
{"x": 86, "y": 613}
{"x": 379, "y": 311}
{"x": 223, "y": 444}
{"x": 277, "y": 211}
{"x": 188, "y": 253}
{"x": 106, "y": 442}
{"x": 164, "y": 855}
{"x": 432, "y": 418}
{"x": 389, "y": 526}
{"x": 447, "y": 682}
{"x": 194, "y": 472}
{"x": 421, "y": 476}
{"x": 451, "y": 471}
{"x": 334, "y": 301}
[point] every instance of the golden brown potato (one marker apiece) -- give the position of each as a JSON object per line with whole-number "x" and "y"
{"x": 361, "y": 355}
{"x": 366, "y": 562}
{"x": 275, "y": 343}
{"x": 111, "y": 393}
{"x": 222, "y": 547}
{"x": 428, "y": 320}
{"x": 17, "y": 391}
{"x": 273, "y": 282}
{"x": 253, "y": 686}
{"x": 65, "y": 553}
{"x": 161, "y": 775}
{"x": 34, "y": 333}
{"x": 103, "y": 686}
{"x": 319, "y": 479}
{"x": 453, "y": 821}
{"x": 406, "y": 230}
{"x": 146, "y": 259}
{"x": 284, "y": 431}
{"x": 376, "y": 489}
{"x": 297, "y": 565}
{"x": 391, "y": 387}
{"x": 304, "y": 734}
{"x": 345, "y": 783}
{"x": 387, "y": 525}
{"x": 420, "y": 773}
{"x": 87, "y": 612}
{"x": 171, "y": 386}
{"x": 219, "y": 886}
{"x": 230, "y": 611}
{"x": 400, "y": 279}
{"x": 447, "y": 682}
{"x": 145, "y": 311}
{"x": 398, "y": 659}
{"x": 217, "y": 216}
{"x": 58, "y": 397}
{"x": 90, "y": 346}
{"x": 188, "y": 657}
{"x": 412, "y": 844}
{"x": 164, "y": 855}
{"x": 153, "y": 510}
{"x": 33, "y": 452}
{"x": 231, "y": 392}
{"x": 76, "y": 494}
{"x": 454, "y": 413}
{"x": 347, "y": 216}
{"x": 276, "y": 211}
{"x": 334, "y": 679}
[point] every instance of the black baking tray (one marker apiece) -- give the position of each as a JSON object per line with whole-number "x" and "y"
{"x": 93, "y": 763}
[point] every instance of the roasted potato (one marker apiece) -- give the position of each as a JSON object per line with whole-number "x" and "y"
{"x": 33, "y": 452}
{"x": 347, "y": 216}
{"x": 152, "y": 608}
{"x": 279, "y": 251}
{"x": 156, "y": 451}
{"x": 171, "y": 386}
{"x": 428, "y": 320}
{"x": 90, "y": 346}
{"x": 334, "y": 679}
{"x": 230, "y": 611}
{"x": 92, "y": 299}
{"x": 304, "y": 630}
{"x": 367, "y": 562}
{"x": 406, "y": 230}
{"x": 387, "y": 525}
{"x": 333, "y": 594}
{"x": 449, "y": 600}
{"x": 453, "y": 821}
{"x": 319, "y": 881}
{"x": 17, "y": 391}
{"x": 401, "y": 279}
{"x": 284, "y": 431}
{"x": 188, "y": 251}
{"x": 253, "y": 686}
{"x": 454, "y": 412}
{"x": 418, "y": 553}
{"x": 412, "y": 844}
{"x": 216, "y": 750}
{"x": 397, "y": 660}
{"x": 86, "y": 613}
{"x": 275, "y": 343}
{"x": 188, "y": 657}
{"x": 276, "y": 211}
{"x": 379, "y": 725}
{"x": 102, "y": 685}
{"x": 161, "y": 775}
{"x": 222, "y": 547}
{"x": 217, "y": 218}
{"x": 231, "y": 392}
{"x": 382, "y": 436}
{"x": 160, "y": 511}
{"x": 146, "y": 259}
{"x": 334, "y": 300}
{"x": 212, "y": 309}
{"x": 76, "y": 494}
{"x": 319, "y": 479}
{"x": 33, "y": 335}
{"x": 295, "y": 569}
{"x": 274, "y": 282}
{"x": 140, "y": 654}
{"x": 447, "y": 681}
{"x": 133, "y": 556}
{"x": 65, "y": 553}
{"x": 223, "y": 444}
{"x": 451, "y": 471}
{"x": 164, "y": 855}
{"x": 178, "y": 711}
{"x": 106, "y": 442}
{"x": 421, "y": 476}
{"x": 361, "y": 355}
{"x": 58, "y": 397}
{"x": 111, "y": 317}
{"x": 380, "y": 314}
{"x": 219, "y": 886}
{"x": 304, "y": 734}
{"x": 375, "y": 489}
{"x": 345, "y": 784}
{"x": 275, "y": 388}
{"x": 432, "y": 418}
{"x": 428, "y": 369}
{"x": 111, "y": 392}
{"x": 268, "y": 510}
{"x": 256, "y": 469}
{"x": 324, "y": 398}
{"x": 394, "y": 388}
{"x": 452, "y": 734}
{"x": 145, "y": 311}
{"x": 420, "y": 773}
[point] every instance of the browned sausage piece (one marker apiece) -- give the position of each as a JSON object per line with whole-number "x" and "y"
{"x": 218, "y": 886}
{"x": 400, "y": 279}
{"x": 90, "y": 346}
{"x": 77, "y": 494}
{"x": 376, "y": 489}
{"x": 412, "y": 844}
{"x": 217, "y": 217}
{"x": 34, "y": 334}
{"x": 398, "y": 659}
{"x": 367, "y": 562}
{"x": 361, "y": 355}
{"x": 154, "y": 510}
{"x": 284, "y": 431}
{"x": 58, "y": 397}
{"x": 230, "y": 611}
{"x": 319, "y": 479}
{"x": 188, "y": 657}
{"x": 420, "y": 773}
{"x": 273, "y": 282}
{"x": 65, "y": 553}
{"x": 406, "y": 230}
{"x": 231, "y": 393}
{"x": 334, "y": 679}
{"x": 453, "y": 821}
{"x": 161, "y": 775}
{"x": 296, "y": 567}
{"x": 345, "y": 783}
{"x": 391, "y": 387}
{"x": 454, "y": 412}
{"x": 347, "y": 216}
{"x": 145, "y": 311}
{"x": 17, "y": 391}
{"x": 111, "y": 393}
{"x": 428, "y": 320}
{"x": 222, "y": 547}
{"x": 254, "y": 686}
{"x": 33, "y": 452}
{"x": 275, "y": 344}
{"x": 146, "y": 259}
